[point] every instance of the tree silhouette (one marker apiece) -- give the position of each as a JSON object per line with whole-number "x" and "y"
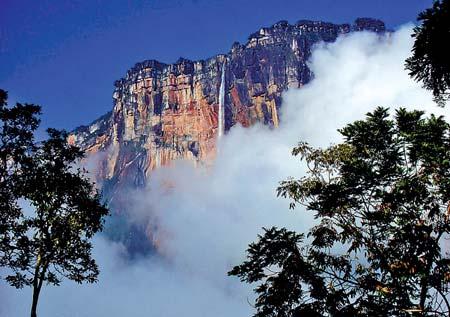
{"x": 50, "y": 239}
{"x": 430, "y": 62}
{"x": 381, "y": 200}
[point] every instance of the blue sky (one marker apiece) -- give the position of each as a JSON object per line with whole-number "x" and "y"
{"x": 65, "y": 55}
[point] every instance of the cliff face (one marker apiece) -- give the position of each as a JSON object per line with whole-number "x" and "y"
{"x": 164, "y": 112}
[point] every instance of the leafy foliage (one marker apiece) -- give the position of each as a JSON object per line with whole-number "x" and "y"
{"x": 430, "y": 61}
{"x": 49, "y": 239}
{"x": 381, "y": 200}
{"x": 16, "y": 144}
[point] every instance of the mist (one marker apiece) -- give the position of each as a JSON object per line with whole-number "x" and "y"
{"x": 206, "y": 217}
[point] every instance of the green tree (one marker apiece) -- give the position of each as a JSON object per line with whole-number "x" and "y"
{"x": 16, "y": 143}
{"x": 381, "y": 203}
{"x": 51, "y": 240}
{"x": 430, "y": 62}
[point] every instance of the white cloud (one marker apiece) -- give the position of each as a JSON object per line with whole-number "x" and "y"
{"x": 353, "y": 76}
{"x": 207, "y": 220}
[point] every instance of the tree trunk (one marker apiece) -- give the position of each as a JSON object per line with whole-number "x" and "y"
{"x": 37, "y": 285}
{"x": 36, "y": 291}
{"x": 423, "y": 295}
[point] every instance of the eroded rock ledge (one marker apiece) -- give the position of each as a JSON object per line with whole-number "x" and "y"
{"x": 164, "y": 111}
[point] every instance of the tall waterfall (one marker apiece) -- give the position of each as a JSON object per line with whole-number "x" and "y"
{"x": 221, "y": 118}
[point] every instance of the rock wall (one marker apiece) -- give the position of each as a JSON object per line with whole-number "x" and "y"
{"x": 164, "y": 112}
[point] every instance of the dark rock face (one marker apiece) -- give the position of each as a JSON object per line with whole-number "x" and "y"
{"x": 368, "y": 24}
{"x": 164, "y": 112}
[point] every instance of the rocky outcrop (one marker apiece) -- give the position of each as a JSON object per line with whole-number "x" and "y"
{"x": 164, "y": 112}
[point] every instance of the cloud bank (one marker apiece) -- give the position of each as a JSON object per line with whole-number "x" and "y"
{"x": 206, "y": 222}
